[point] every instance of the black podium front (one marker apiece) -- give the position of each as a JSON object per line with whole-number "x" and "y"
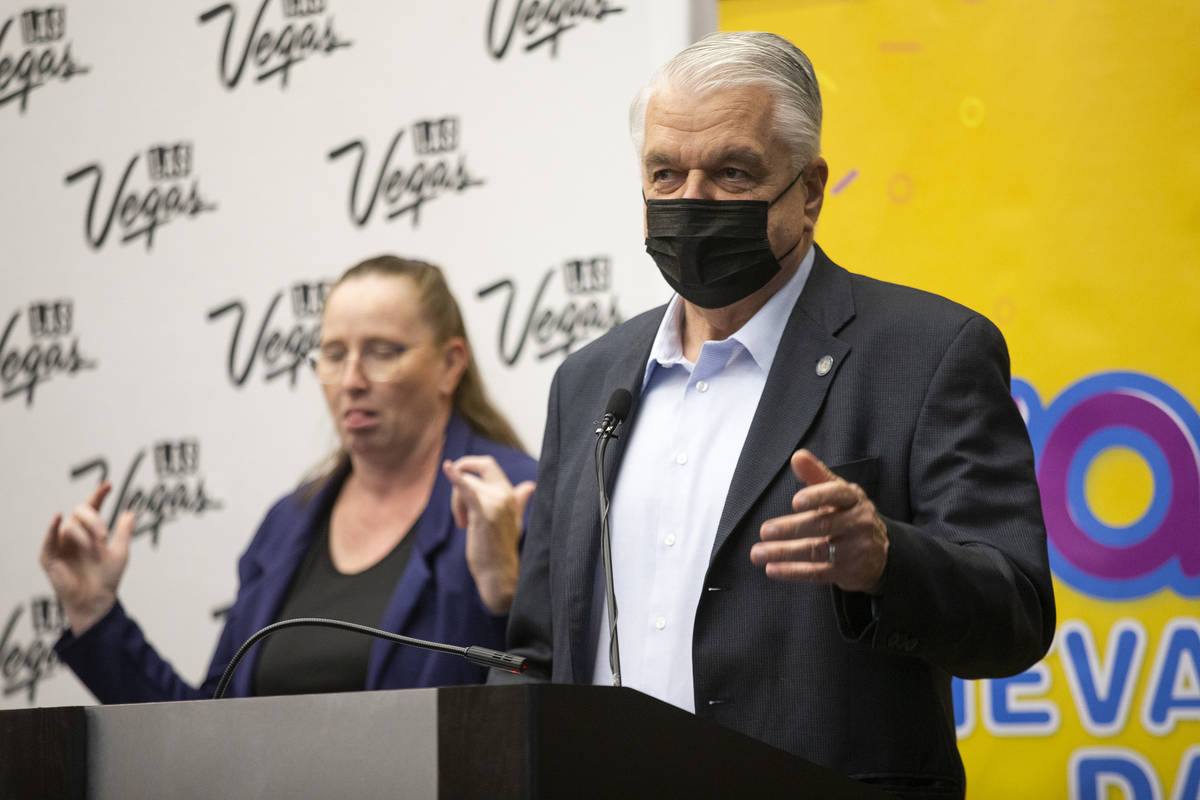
{"x": 527, "y": 741}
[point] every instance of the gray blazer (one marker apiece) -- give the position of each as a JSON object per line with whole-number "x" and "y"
{"x": 916, "y": 409}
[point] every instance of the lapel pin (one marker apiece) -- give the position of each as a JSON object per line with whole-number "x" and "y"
{"x": 824, "y": 365}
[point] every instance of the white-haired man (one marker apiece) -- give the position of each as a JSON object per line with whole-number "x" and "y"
{"x": 826, "y": 503}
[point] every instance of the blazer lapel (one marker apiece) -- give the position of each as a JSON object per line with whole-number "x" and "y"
{"x": 433, "y": 530}
{"x": 278, "y": 565}
{"x": 795, "y": 388}
{"x": 583, "y": 535}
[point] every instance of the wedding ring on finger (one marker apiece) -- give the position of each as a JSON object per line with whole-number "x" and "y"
{"x": 832, "y": 552}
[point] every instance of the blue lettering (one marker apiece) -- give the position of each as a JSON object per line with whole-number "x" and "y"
{"x": 1103, "y": 689}
{"x": 1175, "y": 678}
{"x": 1009, "y": 712}
{"x": 1187, "y": 780}
{"x": 963, "y": 693}
{"x": 1095, "y": 772}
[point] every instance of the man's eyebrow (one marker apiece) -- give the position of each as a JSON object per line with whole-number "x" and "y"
{"x": 743, "y": 156}
{"x": 656, "y": 159}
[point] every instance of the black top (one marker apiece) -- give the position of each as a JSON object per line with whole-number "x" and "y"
{"x": 314, "y": 659}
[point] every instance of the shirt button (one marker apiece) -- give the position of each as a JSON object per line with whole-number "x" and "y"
{"x": 702, "y": 386}
{"x": 669, "y": 541}
{"x": 681, "y": 459}
{"x": 660, "y": 623}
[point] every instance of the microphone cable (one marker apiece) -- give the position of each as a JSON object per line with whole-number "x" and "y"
{"x": 483, "y": 656}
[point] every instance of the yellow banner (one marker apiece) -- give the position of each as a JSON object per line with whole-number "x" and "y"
{"x": 1039, "y": 161}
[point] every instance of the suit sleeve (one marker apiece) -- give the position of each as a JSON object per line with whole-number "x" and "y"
{"x": 531, "y": 621}
{"x": 967, "y": 584}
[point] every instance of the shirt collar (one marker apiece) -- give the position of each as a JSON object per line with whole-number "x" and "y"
{"x": 759, "y": 336}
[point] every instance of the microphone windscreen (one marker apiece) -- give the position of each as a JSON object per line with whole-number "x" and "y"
{"x": 619, "y": 404}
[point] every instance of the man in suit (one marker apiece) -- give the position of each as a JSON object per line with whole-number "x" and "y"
{"x": 824, "y": 500}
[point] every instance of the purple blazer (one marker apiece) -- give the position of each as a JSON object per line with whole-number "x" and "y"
{"x": 436, "y": 599}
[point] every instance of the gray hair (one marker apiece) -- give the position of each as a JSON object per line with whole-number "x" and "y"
{"x": 745, "y": 58}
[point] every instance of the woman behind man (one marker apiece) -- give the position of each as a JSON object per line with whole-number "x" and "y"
{"x": 414, "y": 526}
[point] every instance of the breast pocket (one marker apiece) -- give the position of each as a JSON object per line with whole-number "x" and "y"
{"x": 864, "y": 472}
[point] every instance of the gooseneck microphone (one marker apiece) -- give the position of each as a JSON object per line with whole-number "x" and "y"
{"x": 615, "y": 413}
{"x": 483, "y": 656}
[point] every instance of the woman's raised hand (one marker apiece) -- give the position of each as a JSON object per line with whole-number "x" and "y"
{"x": 490, "y": 509}
{"x": 84, "y": 564}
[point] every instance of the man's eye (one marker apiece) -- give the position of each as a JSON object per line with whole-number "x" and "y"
{"x": 333, "y": 356}
{"x": 661, "y": 175}
{"x": 733, "y": 174}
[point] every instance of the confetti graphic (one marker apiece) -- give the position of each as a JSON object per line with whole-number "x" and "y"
{"x": 845, "y": 181}
{"x": 971, "y": 112}
{"x": 901, "y": 188}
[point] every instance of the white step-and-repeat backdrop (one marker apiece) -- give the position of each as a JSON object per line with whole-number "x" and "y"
{"x": 182, "y": 181}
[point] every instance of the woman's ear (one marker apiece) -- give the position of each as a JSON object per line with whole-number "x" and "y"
{"x": 455, "y": 357}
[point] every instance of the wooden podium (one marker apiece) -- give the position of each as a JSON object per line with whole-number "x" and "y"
{"x": 521, "y": 741}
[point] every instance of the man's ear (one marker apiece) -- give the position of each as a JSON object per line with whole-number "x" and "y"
{"x": 816, "y": 175}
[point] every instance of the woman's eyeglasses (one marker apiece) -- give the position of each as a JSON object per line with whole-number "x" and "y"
{"x": 380, "y": 362}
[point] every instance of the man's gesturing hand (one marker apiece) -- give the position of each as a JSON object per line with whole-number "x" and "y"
{"x": 836, "y": 535}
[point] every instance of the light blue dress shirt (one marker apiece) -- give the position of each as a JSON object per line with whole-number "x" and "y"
{"x": 691, "y": 423}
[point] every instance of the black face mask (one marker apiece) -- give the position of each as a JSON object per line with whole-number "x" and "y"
{"x": 713, "y": 252}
